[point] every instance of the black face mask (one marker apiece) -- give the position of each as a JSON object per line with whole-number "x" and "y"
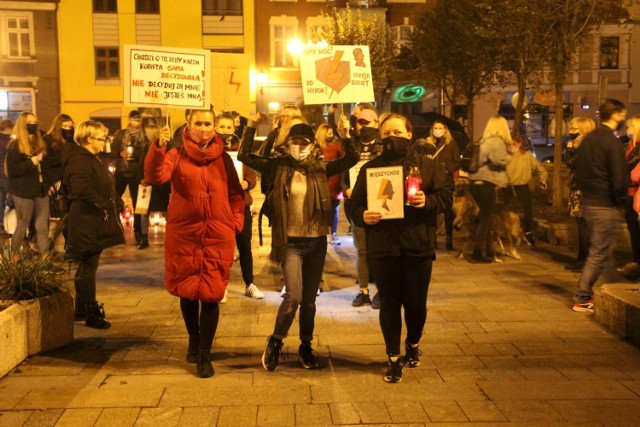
{"x": 369, "y": 135}
{"x": 394, "y": 147}
{"x": 620, "y": 126}
{"x": 330, "y": 138}
{"x": 32, "y": 128}
{"x": 573, "y": 136}
{"x": 67, "y": 134}
{"x": 227, "y": 139}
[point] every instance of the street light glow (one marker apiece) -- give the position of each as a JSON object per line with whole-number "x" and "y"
{"x": 295, "y": 47}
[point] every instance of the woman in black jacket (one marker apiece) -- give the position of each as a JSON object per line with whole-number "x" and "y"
{"x": 94, "y": 214}
{"x": 441, "y": 147}
{"x": 28, "y": 177}
{"x": 401, "y": 251}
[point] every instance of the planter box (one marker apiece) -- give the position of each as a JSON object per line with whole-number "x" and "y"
{"x": 50, "y": 322}
{"x": 34, "y": 326}
{"x": 617, "y": 307}
{"x": 13, "y": 337}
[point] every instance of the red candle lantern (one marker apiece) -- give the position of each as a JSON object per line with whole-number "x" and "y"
{"x": 413, "y": 182}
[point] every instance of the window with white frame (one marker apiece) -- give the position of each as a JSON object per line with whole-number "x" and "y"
{"x": 18, "y": 40}
{"x": 283, "y": 29}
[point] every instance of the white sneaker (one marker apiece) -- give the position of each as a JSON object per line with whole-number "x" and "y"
{"x": 334, "y": 239}
{"x": 224, "y": 298}
{"x": 253, "y": 292}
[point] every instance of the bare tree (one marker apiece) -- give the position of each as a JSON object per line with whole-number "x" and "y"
{"x": 570, "y": 24}
{"x": 452, "y": 51}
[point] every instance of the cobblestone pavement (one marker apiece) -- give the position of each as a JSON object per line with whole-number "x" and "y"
{"x": 501, "y": 346}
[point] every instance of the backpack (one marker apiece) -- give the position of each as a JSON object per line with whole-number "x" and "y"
{"x": 470, "y": 157}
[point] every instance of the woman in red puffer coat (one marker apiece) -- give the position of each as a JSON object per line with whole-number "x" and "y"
{"x": 206, "y": 210}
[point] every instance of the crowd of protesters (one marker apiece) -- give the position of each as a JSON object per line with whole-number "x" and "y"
{"x": 306, "y": 173}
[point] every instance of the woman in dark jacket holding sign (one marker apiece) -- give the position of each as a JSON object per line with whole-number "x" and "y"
{"x": 401, "y": 251}
{"x": 300, "y": 218}
{"x": 93, "y": 214}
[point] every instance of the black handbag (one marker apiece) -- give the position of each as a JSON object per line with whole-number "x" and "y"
{"x": 58, "y": 201}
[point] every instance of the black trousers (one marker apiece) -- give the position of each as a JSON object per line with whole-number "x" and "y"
{"x": 243, "y": 242}
{"x": 485, "y": 196}
{"x": 523, "y": 194}
{"x": 121, "y": 185}
{"x": 85, "y": 280}
{"x": 403, "y": 282}
{"x": 631, "y": 217}
{"x": 201, "y": 320}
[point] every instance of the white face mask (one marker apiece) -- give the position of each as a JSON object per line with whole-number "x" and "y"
{"x": 298, "y": 154}
{"x": 438, "y": 133}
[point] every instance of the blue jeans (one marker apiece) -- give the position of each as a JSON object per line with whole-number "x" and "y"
{"x": 603, "y": 224}
{"x": 302, "y": 270}
{"x": 25, "y": 209}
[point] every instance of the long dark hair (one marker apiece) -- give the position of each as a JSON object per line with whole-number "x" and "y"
{"x": 55, "y": 132}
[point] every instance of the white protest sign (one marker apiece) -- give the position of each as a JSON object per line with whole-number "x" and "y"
{"x": 354, "y": 171}
{"x": 336, "y": 74}
{"x": 385, "y": 191}
{"x": 167, "y": 76}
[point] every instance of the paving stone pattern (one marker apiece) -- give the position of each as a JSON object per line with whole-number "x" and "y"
{"x": 501, "y": 347}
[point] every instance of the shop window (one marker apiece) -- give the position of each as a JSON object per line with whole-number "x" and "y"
{"x": 107, "y": 63}
{"x": 609, "y": 52}
{"x": 222, "y": 7}
{"x": 148, "y": 6}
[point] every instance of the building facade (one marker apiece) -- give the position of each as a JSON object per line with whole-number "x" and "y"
{"x": 92, "y": 34}
{"x": 278, "y": 22}
{"x": 29, "y": 59}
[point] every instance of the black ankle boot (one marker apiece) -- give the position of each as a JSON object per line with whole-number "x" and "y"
{"x": 192, "y": 351}
{"x": 144, "y": 241}
{"x": 96, "y": 317}
{"x": 138, "y": 236}
{"x": 204, "y": 366}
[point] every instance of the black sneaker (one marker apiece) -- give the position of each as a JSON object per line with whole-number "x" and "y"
{"x": 412, "y": 356}
{"x": 375, "y": 302}
{"x": 308, "y": 357}
{"x": 394, "y": 371}
{"x": 271, "y": 354}
{"x": 361, "y": 299}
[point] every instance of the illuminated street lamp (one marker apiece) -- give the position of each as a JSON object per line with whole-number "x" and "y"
{"x": 295, "y": 47}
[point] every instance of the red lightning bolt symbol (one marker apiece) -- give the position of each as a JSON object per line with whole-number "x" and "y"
{"x": 231, "y": 82}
